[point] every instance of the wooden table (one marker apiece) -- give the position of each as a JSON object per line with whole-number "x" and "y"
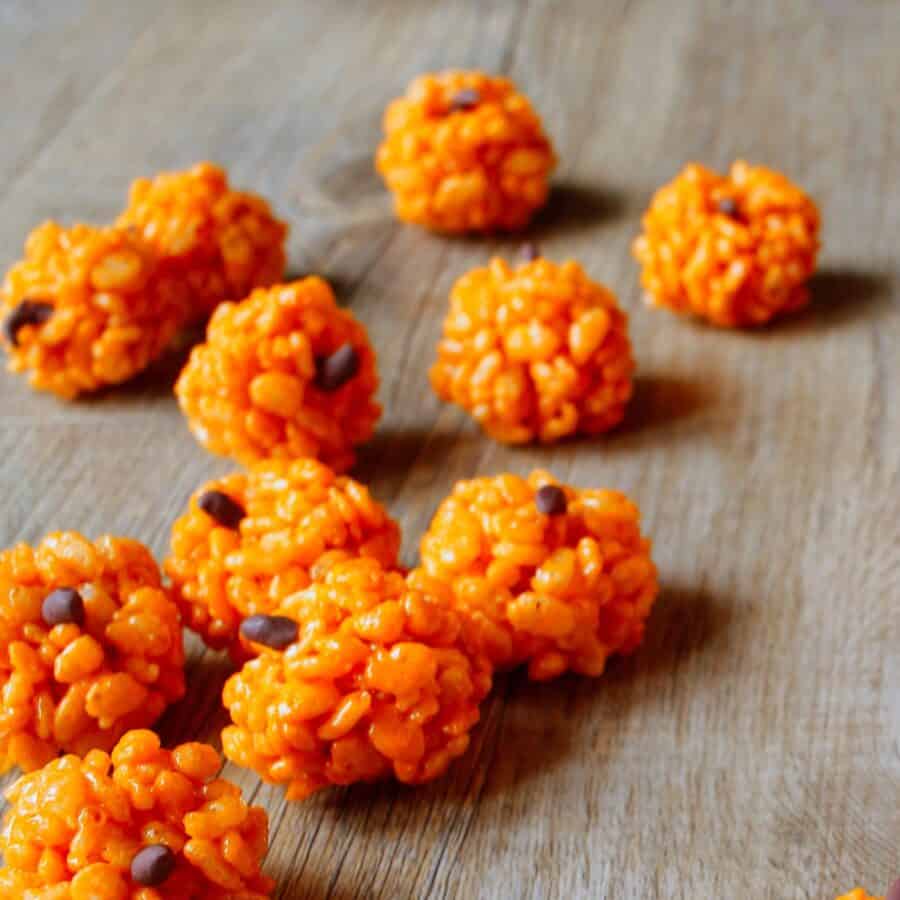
{"x": 752, "y": 747}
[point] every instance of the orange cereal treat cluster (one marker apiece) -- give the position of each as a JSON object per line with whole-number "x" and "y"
{"x": 220, "y": 242}
{"x": 141, "y": 823}
{"x": 377, "y": 679}
{"x": 250, "y": 539}
{"x": 286, "y": 373}
{"x": 90, "y": 646}
{"x": 465, "y": 152}
{"x": 87, "y": 307}
{"x": 548, "y": 574}
{"x": 735, "y": 249}
{"x": 860, "y": 894}
{"x": 535, "y": 352}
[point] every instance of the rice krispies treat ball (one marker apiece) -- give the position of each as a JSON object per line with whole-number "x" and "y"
{"x": 465, "y": 152}
{"x": 535, "y": 352}
{"x": 548, "y": 574}
{"x": 377, "y": 679}
{"x": 143, "y": 823}
{"x": 221, "y": 242}
{"x": 90, "y": 646}
{"x": 737, "y": 249}
{"x": 286, "y": 373}
{"x": 859, "y": 894}
{"x": 87, "y": 307}
{"x": 250, "y": 539}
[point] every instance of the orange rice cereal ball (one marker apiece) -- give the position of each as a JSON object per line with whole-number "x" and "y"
{"x": 378, "y": 678}
{"x": 860, "y": 894}
{"x": 285, "y": 373}
{"x": 548, "y": 574}
{"x": 535, "y": 352}
{"x": 142, "y": 823}
{"x": 86, "y": 307}
{"x": 221, "y": 242}
{"x": 465, "y": 152}
{"x": 90, "y": 646}
{"x": 735, "y": 249}
{"x": 250, "y": 539}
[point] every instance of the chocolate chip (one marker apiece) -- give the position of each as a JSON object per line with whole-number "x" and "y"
{"x": 152, "y": 865}
{"x": 28, "y": 312}
{"x": 336, "y": 370}
{"x": 222, "y": 508}
{"x": 276, "y": 632}
{"x": 728, "y": 207}
{"x": 63, "y": 606}
{"x": 894, "y": 892}
{"x": 467, "y": 98}
{"x": 550, "y": 500}
{"x": 529, "y": 251}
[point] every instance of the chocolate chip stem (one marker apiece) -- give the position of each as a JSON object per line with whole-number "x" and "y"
{"x": 28, "y": 312}
{"x": 226, "y": 511}
{"x": 276, "y": 632}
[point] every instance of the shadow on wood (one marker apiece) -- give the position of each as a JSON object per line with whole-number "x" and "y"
{"x": 684, "y": 623}
{"x": 387, "y": 460}
{"x": 838, "y": 296}
{"x": 574, "y": 207}
{"x": 536, "y": 732}
{"x": 157, "y": 380}
{"x": 199, "y": 715}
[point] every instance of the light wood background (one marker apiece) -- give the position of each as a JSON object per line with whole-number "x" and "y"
{"x": 752, "y": 747}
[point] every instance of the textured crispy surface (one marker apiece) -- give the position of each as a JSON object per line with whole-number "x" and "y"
{"x": 381, "y": 681}
{"x": 734, "y": 270}
{"x": 221, "y": 243}
{"x": 74, "y": 826}
{"x": 486, "y": 167}
{"x": 114, "y": 309}
{"x": 250, "y": 390}
{"x": 72, "y": 687}
{"x": 299, "y": 514}
{"x": 761, "y": 646}
{"x": 536, "y": 352}
{"x": 561, "y": 592}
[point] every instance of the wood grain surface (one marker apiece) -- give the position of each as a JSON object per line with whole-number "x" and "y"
{"x": 752, "y": 747}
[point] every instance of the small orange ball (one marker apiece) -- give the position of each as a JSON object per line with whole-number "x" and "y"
{"x": 464, "y": 151}
{"x": 549, "y": 575}
{"x": 252, "y": 538}
{"x": 538, "y": 352}
{"x": 221, "y": 243}
{"x": 858, "y": 894}
{"x": 734, "y": 249}
{"x": 86, "y": 308}
{"x": 381, "y": 680}
{"x": 90, "y": 646}
{"x": 139, "y": 823}
{"x": 286, "y": 374}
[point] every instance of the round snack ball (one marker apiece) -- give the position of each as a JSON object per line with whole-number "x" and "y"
{"x": 860, "y": 894}
{"x": 735, "y": 249}
{"x": 87, "y": 307}
{"x": 221, "y": 242}
{"x": 548, "y": 574}
{"x": 90, "y": 646}
{"x": 537, "y": 352}
{"x": 380, "y": 680}
{"x": 465, "y": 152}
{"x": 143, "y": 823}
{"x": 286, "y": 373}
{"x": 250, "y": 539}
